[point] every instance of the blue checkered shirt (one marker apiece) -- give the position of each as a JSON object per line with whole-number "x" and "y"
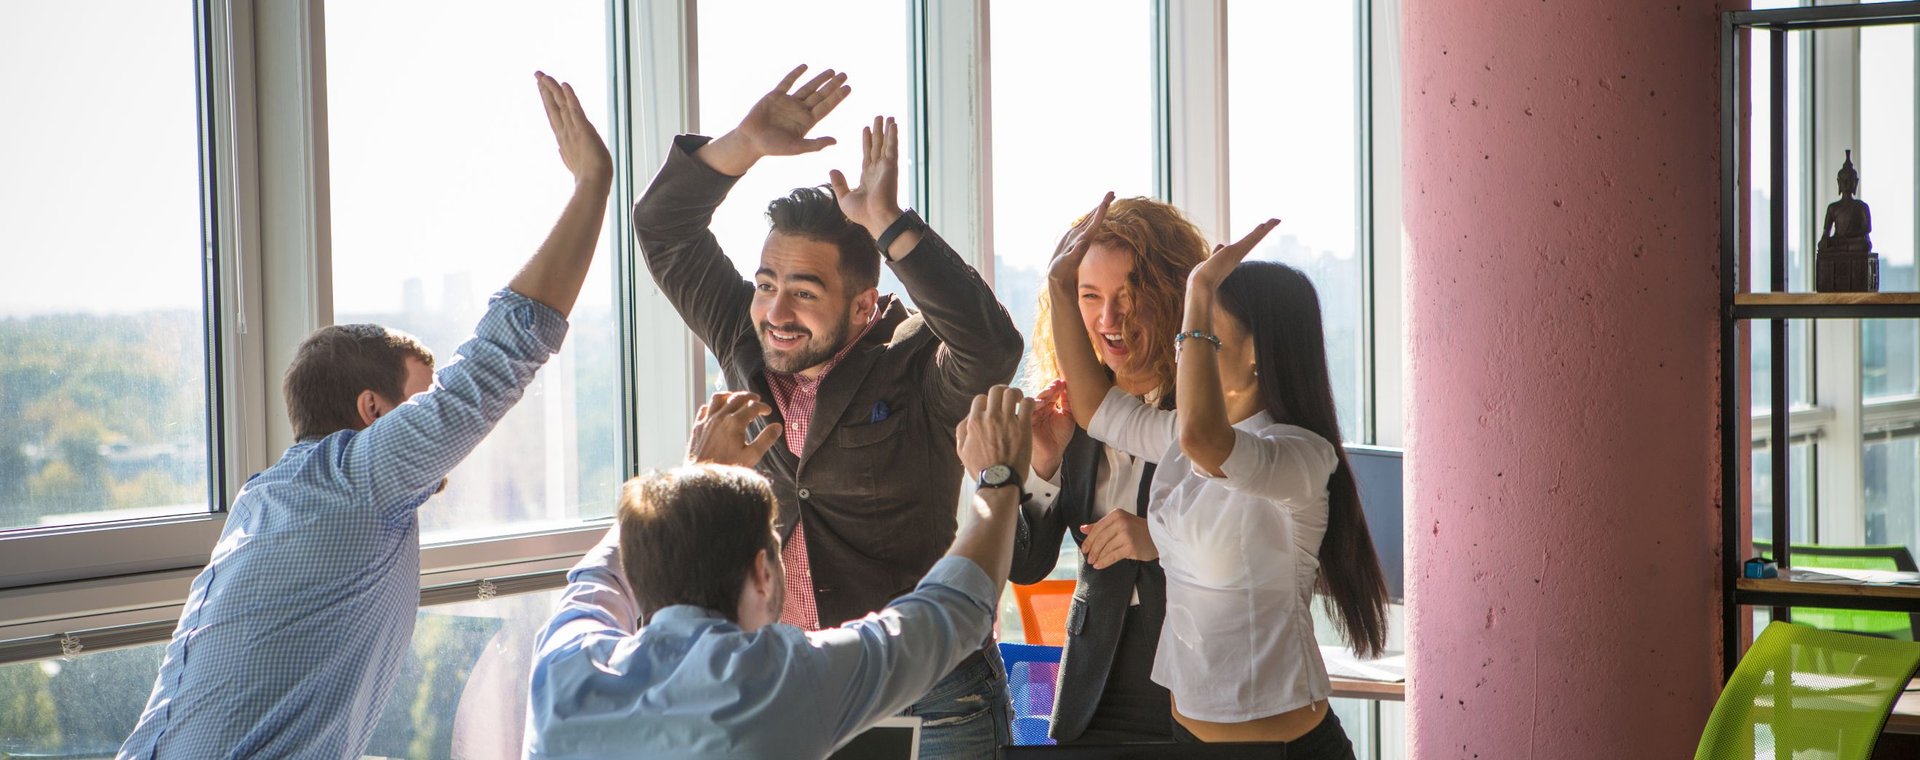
{"x": 292, "y": 634}
{"x": 692, "y": 684}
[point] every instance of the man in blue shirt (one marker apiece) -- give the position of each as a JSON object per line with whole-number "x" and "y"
{"x": 667, "y": 642}
{"x": 291, "y": 636}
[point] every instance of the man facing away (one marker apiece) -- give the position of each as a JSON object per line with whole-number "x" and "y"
{"x": 666, "y": 643}
{"x": 292, "y": 634}
{"x": 868, "y": 392}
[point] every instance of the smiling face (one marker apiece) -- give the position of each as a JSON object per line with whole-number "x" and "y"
{"x": 801, "y": 309}
{"x": 1106, "y": 302}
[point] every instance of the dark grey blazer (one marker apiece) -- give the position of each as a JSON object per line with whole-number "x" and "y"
{"x": 1100, "y": 598}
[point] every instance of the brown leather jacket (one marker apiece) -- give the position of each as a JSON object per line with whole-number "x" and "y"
{"x": 877, "y": 480}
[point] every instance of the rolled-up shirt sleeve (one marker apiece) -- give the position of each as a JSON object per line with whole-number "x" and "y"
{"x": 1128, "y": 424}
{"x": 1282, "y": 463}
{"x": 398, "y": 460}
{"x": 880, "y": 664}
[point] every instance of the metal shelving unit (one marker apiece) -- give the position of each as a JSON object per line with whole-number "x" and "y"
{"x": 1776, "y": 307}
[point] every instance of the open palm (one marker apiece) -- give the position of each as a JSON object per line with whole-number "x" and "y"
{"x": 1225, "y": 258}
{"x": 778, "y": 124}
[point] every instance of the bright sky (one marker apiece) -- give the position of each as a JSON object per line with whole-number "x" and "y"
{"x": 100, "y": 190}
{"x": 442, "y": 163}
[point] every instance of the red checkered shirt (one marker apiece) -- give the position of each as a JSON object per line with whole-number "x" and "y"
{"x": 795, "y": 395}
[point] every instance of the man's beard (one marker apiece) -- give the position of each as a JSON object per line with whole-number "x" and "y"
{"x": 813, "y": 351}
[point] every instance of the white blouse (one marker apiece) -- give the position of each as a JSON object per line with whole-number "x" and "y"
{"x": 1241, "y": 555}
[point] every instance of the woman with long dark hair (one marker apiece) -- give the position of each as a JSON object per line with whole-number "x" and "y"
{"x": 1254, "y": 508}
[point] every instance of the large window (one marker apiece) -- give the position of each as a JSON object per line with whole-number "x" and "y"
{"x": 103, "y": 382}
{"x": 461, "y": 692}
{"x": 430, "y": 220}
{"x": 1295, "y": 139}
{"x": 269, "y": 168}
{"x": 1073, "y": 117}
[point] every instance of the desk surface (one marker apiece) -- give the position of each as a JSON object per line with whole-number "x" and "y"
{"x": 1377, "y": 690}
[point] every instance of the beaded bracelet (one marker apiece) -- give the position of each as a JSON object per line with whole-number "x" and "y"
{"x": 1206, "y": 336}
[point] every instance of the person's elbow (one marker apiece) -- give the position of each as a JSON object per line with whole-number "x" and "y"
{"x": 1208, "y": 449}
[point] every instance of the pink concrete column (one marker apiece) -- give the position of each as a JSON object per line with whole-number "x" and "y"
{"x": 1562, "y": 166}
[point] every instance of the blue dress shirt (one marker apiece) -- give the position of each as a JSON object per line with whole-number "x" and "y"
{"x": 691, "y": 684}
{"x": 292, "y": 634}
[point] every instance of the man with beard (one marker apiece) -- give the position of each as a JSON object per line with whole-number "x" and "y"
{"x": 866, "y": 391}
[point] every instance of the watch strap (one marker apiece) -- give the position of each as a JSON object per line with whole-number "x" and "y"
{"x": 909, "y": 220}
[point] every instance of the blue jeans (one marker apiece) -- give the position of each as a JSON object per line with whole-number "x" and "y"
{"x": 966, "y": 716}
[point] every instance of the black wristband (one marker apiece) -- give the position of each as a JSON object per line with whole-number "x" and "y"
{"x": 909, "y": 220}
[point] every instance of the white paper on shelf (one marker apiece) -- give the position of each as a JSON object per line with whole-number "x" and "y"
{"x": 1341, "y": 663}
{"x": 1858, "y": 577}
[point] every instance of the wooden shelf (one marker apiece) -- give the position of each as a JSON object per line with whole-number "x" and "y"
{"x": 1825, "y": 305}
{"x": 1782, "y": 593}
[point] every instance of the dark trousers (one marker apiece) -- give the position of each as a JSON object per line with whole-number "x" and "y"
{"x": 1326, "y": 741}
{"x": 1132, "y": 707}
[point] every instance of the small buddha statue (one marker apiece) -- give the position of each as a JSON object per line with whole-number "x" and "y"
{"x": 1844, "y": 258}
{"x": 1848, "y": 219}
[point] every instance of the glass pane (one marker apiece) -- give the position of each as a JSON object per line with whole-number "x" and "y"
{"x": 1800, "y": 495}
{"x": 1891, "y": 468}
{"x": 428, "y": 222}
{"x": 1889, "y": 349}
{"x": 1042, "y": 180}
{"x": 102, "y": 333}
{"x": 1759, "y": 157}
{"x": 745, "y": 47}
{"x": 1799, "y": 337}
{"x": 462, "y": 692}
{"x": 1285, "y": 61}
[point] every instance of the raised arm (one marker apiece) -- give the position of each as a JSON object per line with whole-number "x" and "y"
{"x": 1206, "y": 435}
{"x": 671, "y": 219}
{"x": 905, "y": 648}
{"x": 1087, "y": 382}
{"x": 554, "y": 275}
{"x": 403, "y": 455}
{"x": 979, "y": 346}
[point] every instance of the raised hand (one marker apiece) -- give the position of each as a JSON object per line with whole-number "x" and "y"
{"x": 778, "y": 124}
{"x": 1052, "y": 428}
{"x": 1065, "y": 268}
{"x": 998, "y": 430}
{"x": 1215, "y": 269}
{"x": 580, "y": 145}
{"x": 875, "y": 204}
{"x": 720, "y": 430}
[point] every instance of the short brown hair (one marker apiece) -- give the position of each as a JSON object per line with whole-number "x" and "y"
{"x": 814, "y": 214}
{"x": 334, "y": 364}
{"x": 689, "y": 535}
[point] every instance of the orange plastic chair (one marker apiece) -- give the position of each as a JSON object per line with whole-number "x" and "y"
{"x": 1043, "y": 611}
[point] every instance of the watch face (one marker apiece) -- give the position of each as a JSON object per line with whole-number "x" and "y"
{"x": 997, "y": 475}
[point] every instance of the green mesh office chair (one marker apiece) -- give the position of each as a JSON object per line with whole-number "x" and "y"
{"x": 1777, "y": 706}
{"x": 1889, "y": 625}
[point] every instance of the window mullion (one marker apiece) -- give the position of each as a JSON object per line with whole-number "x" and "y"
{"x": 1840, "y": 512}
{"x": 662, "y": 362}
{"x": 1194, "y": 93}
{"x": 953, "y": 139}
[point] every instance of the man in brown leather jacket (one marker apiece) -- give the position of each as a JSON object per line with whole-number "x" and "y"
{"x": 865, "y": 392}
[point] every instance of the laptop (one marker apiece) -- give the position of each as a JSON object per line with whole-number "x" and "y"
{"x": 893, "y": 738}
